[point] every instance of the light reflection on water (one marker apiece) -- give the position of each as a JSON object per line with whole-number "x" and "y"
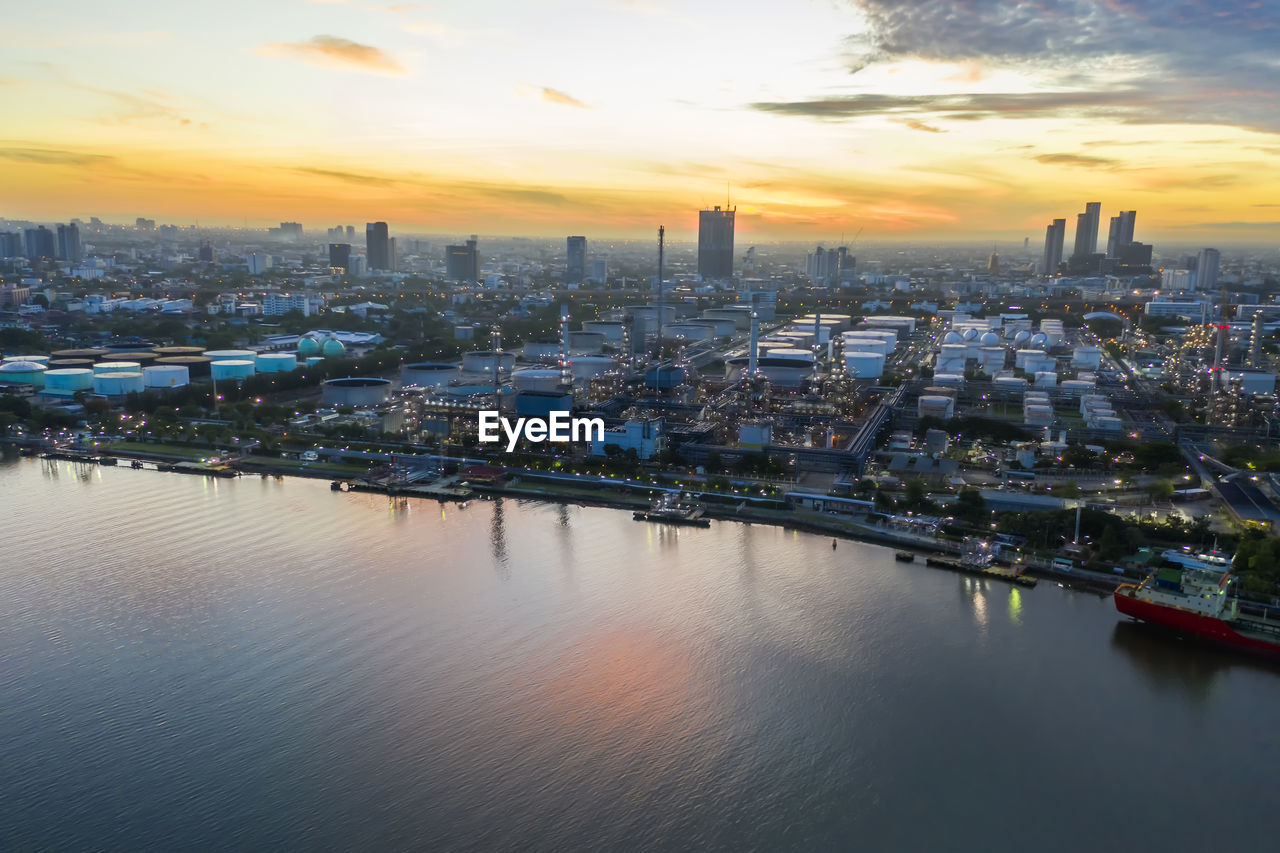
{"x": 260, "y": 663}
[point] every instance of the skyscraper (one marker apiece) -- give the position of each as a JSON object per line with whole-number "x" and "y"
{"x": 576, "y": 266}
{"x": 377, "y": 246}
{"x": 1087, "y": 230}
{"x": 1207, "y": 269}
{"x": 10, "y": 244}
{"x": 715, "y": 243}
{"x": 1054, "y": 236}
{"x": 462, "y": 263}
{"x": 339, "y": 256}
{"x": 1120, "y": 232}
{"x": 38, "y": 243}
{"x": 69, "y": 243}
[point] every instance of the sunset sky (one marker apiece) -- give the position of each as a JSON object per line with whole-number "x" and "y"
{"x": 935, "y": 119}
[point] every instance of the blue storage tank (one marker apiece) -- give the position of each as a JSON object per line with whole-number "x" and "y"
{"x": 664, "y": 376}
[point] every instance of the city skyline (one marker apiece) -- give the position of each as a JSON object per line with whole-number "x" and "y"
{"x": 833, "y": 118}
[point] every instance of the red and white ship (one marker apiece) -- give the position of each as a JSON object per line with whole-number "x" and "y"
{"x": 1194, "y": 599}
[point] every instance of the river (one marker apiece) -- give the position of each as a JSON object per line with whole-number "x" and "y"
{"x": 261, "y": 663}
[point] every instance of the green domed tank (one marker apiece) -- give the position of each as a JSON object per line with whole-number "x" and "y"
{"x": 333, "y": 348}
{"x": 308, "y": 346}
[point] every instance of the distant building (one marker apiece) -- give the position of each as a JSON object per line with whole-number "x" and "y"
{"x": 377, "y": 246}
{"x": 69, "y": 244}
{"x": 462, "y": 263}
{"x": 1087, "y": 230}
{"x": 38, "y": 243}
{"x": 340, "y": 256}
{"x": 1207, "y": 269}
{"x": 257, "y": 262}
{"x": 993, "y": 263}
{"x": 1054, "y": 236}
{"x": 207, "y": 255}
{"x": 10, "y": 244}
{"x": 275, "y": 304}
{"x": 288, "y": 231}
{"x": 715, "y": 243}
{"x": 143, "y": 224}
{"x": 1178, "y": 280}
{"x": 576, "y": 264}
{"x": 1120, "y": 233}
{"x": 599, "y": 273}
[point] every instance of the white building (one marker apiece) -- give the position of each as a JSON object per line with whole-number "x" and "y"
{"x": 275, "y": 304}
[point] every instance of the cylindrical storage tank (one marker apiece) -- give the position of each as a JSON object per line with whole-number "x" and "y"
{"x": 687, "y": 332}
{"x": 879, "y": 345}
{"x": 174, "y": 352}
{"x": 800, "y": 337}
{"x": 130, "y": 346}
{"x": 119, "y": 383}
{"x": 1090, "y": 357}
{"x": 664, "y": 376}
{"x": 543, "y": 350}
{"x": 233, "y": 370}
{"x": 428, "y": 374}
{"x": 66, "y": 382}
{"x": 936, "y": 406}
{"x": 313, "y": 360}
{"x": 333, "y": 348}
{"x": 1010, "y": 383}
{"x": 356, "y": 391}
{"x": 956, "y": 379}
{"x": 864, "y": 365}
{"x": 720, "y": 326}
{"x": 953, "y": 352}
{"x": 34, "y": 359}
{"x": 990, "y": 339}
{"x": 585, "y": 367}
{"x": 876, "y": 332}
{"x": 798, "y": 354}
{"x": 1020, "y": 357}
{"x": 536, "y": 379}
{"x": 117, "y": 367}
{"x": 69, "y": 363}
{"x": 1046, "y": 378}
{"x": 611, "y": 329}
{"x": 91, "y": 354}
{"x": 308, "y": 346}
{"x": 586, "y": 341}
{"x": 486, "y": 361}
{"x": 1040, "y": 363}
{"x": 231, "y": 355}
{"x": 196, "y": 365}
{"x": 166, "y": 376}
{"x": 23, "y": 373}
{"x": 277, "y": 362}
{"x": 135, "y": 358}
{"x": 991, "y": 358}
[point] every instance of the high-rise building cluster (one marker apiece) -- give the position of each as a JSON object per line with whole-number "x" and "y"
{"x": 1123, "y": 254}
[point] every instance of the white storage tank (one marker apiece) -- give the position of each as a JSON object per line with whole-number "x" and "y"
{"x": 233, "y": 370}
{"x": 166, "y": 376}
{"x": 864, "y": 365}
{"x": 119, "y": 383}
{"x": 1090, "y": 357}
{"x": 428, "y": 374}
{"x": 34, "y": 359}
{"x": 1046, "y": 378}
{"x": 542, "y": 350}
{"x": 586, "y": 341}
{"x": 313, "y": 360}
{"x": 936, "y": 406}
{"x": 991, "y": 358}
{"x": 612, "y": 329}
{"x": 949, "y": 379}
{"x": 66, "y": 382}
{"x": 356, "y": 391}
{"x": 537, "y": 379}
{"x": 691, "y": 332}
{"x": 486, "y": 361}
{"x": 277, "y": 362}
{"x": 585, "y": 367}
{"x": 795, "y": 354}
{"x": 861, "y": 344}
{"x": 23, "y": 373}
{"x": 231, "y": 355}
{"x": 1010, "y": 383}
{"x": 721, "y": 328}
{"x": 117, "y": 367}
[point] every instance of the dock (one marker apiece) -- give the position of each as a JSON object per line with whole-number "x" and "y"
{"x": 1001, "y": 573}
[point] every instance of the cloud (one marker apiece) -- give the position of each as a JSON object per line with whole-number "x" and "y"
{"x": 129, "y": 107}
{"x": 335, "y": 52}
{"x": 1130, "y": 61}
{"x": 555, "y": 96}
{"x": 1084, "y": 160}
{"x": 916, "y": 124}
{"x": 52, "y": 156}
{"x": 963, "y": 107}
{"x": 349, "y": 177}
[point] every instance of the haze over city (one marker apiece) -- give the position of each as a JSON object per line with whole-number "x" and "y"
{"x": 923, "y": 121}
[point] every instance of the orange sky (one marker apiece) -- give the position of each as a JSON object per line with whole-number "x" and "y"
{"x": 607, "y": 118}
